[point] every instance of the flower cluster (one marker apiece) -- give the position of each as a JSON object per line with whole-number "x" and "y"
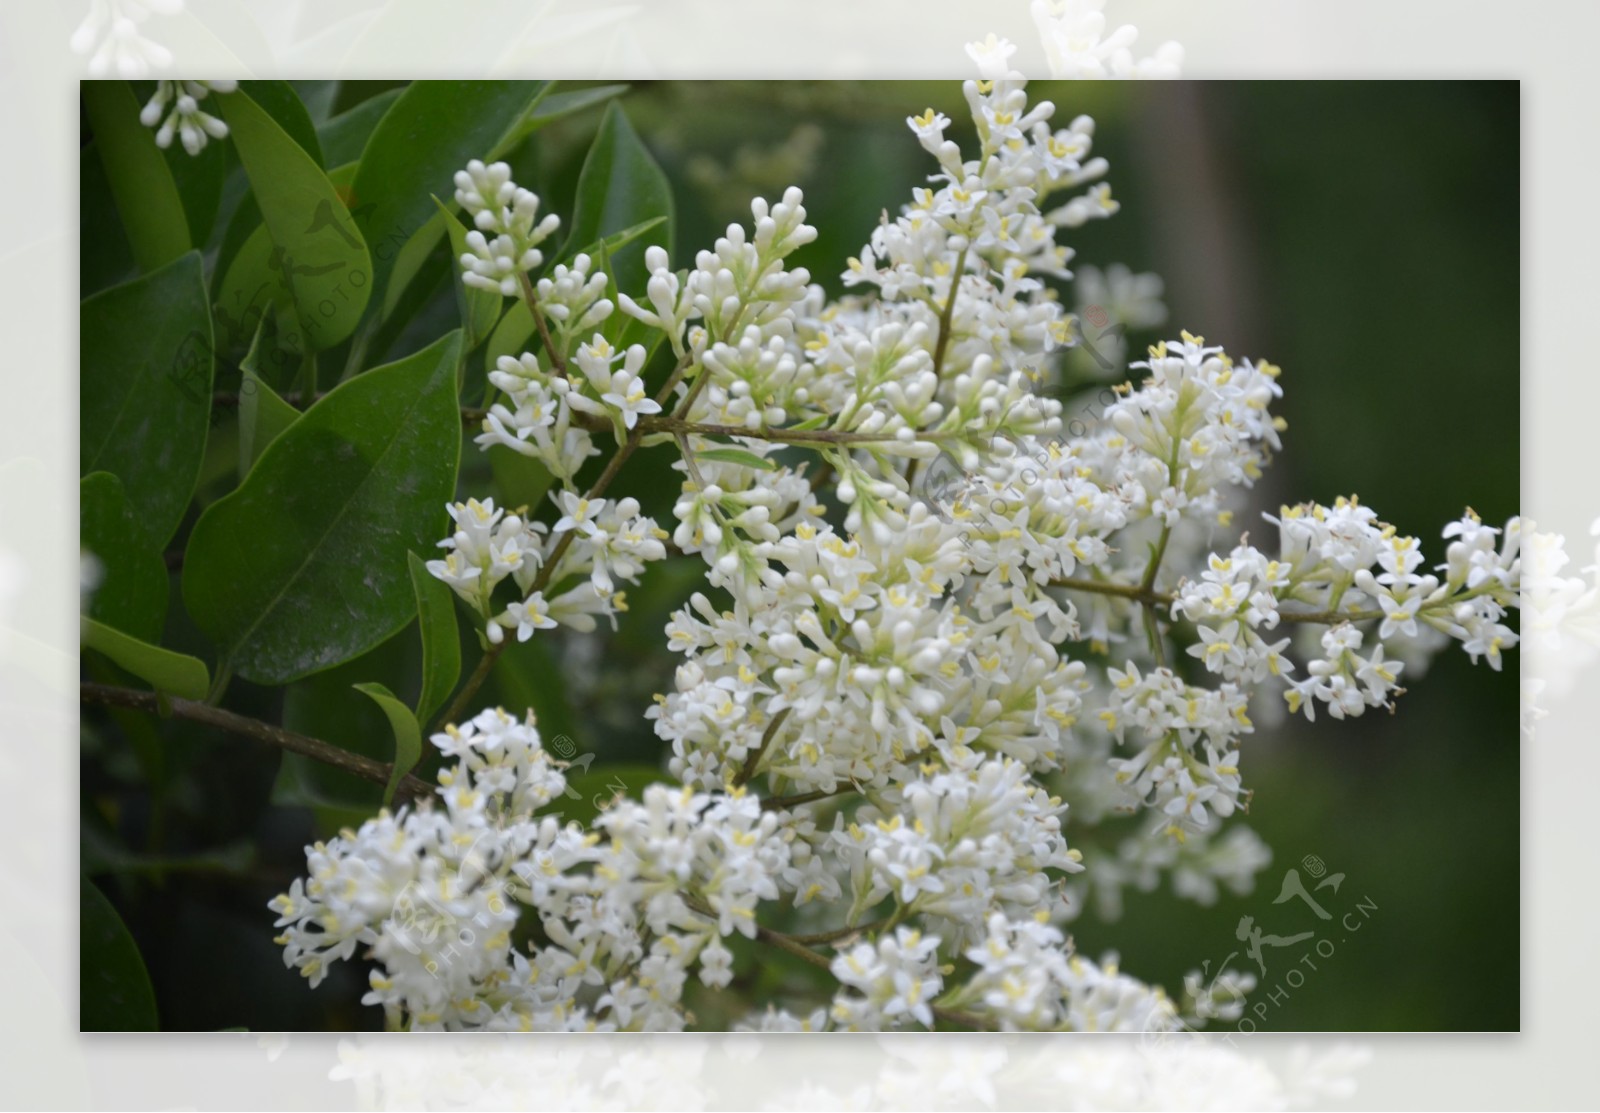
{"x": 594, "y": 543}
{"x": 510, "y": 214}
{"x": 110, "y": 35}
{"x": 941, "y": 633}
{"x": 1560, "y": 619}
{"x": 175, "y": 110}
{"x": 1077, "y": 46}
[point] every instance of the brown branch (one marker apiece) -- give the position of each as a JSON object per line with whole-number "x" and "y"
{"x": 557, "y": 360}
{"x": 828, "y": 937}
{"x": 105, "y": 695}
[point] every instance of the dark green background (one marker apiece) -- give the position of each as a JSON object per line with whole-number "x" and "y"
{"x": 1363, "y": 236}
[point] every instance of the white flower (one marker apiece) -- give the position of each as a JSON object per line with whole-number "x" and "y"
{"x": 185, "y": 119}
{"x": 110, "y": 35}
{"x": 501, "y": 208}
{"x": 525, "y": 617}
{"x": 1077, "y": 46}
{"x": 896, "y": 978}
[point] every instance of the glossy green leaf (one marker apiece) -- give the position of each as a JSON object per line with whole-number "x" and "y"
{"x": 262, "y": 414}
{"x": 251, "y": 291}
{"x": 737, "y": 456}
{"x": 176, "y": 674}
{"x": 557, "y": 105}
{"x": 131, "y": 591}
{"x": 441, "y": 640}
{"x": 512, "y": 334}
{"x": 322, "y": 257}
{"x": 279, "y": 100}
{"x": 409, "y": 257}
{"x": 304, "y": 565}
{"x": 114, "y": 991}
{"x": 407, "y": 734}
{"x": 146, "y": 196}
{"x": 480, "y": 309}
{"x": 432, "y": 131}
{"x": 345, "y": 135}
{"x": 620, "y": 186}
{"x": 199, "y": 181}
{"x": 145, "y": 369}
{"x": 255, "y": 288}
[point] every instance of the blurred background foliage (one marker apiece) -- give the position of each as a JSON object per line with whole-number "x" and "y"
{"x": 1362, "y": 235}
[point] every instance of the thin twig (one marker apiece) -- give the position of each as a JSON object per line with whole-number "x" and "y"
{"x": 779, "y": 803}
{"x": 453, "y": 712}
{"x": 557, "y": 361}
{"x": 1136, "y": 593}
{"x": 821, "y": 938}
{"x": 796, "y": 946}
{"x": 378, "y": 772}
{"x": 754, "y": 759}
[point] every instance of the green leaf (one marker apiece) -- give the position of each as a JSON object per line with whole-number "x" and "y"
{"x": 104, "y": 256}
{"x": 410, "y": 256}
{"x": 620, "y": 187}
{"x": 480, "y": 309}
{"x": 441, "y": 641}
{"x": 432, "y": 131}
{"x": 737, "y": 456}
{"x": 407, "y": 735}
{"x": 557, "y": 105}
{"x": 811, "y": 423}
{"x": 345, "y": 136}
{"x": 131, "y": 594}
{"x": 279, "y": 100}
{"x": 114, "y": 991}
{"x": 304, "y": 565}
{"x": 255, "y": 288}
{"x": 323, "y": 259}
{"x": 511, "y": 336}
{"x": 199, "y": 181}
{"x": 145, "y": 368}
{"x": 142, "y": 185}
{"x": 262, "y": 414}
{"x": 176, "y": 674}
{"x": 327, "y": 706}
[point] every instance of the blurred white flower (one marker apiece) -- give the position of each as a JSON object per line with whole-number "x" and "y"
{"x": 110, "y": 36}
{"x": 1077, "y": 45}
